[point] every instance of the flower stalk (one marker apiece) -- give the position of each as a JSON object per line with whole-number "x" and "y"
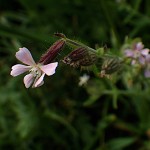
{"x": 74, "y": 44}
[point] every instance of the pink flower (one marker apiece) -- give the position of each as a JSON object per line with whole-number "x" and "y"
{"x": 36, "y": 71}
{"x": 147, "y": 70}
{"x": 138, "y": 53}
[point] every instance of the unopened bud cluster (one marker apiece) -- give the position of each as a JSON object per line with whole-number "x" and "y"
{"x": 84, "y": 56}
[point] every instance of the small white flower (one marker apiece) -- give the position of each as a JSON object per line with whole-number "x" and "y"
{"x": 84, "y": 79}
{"x": 36, "y": 71}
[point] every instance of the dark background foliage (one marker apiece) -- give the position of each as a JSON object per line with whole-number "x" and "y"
{"x": 60, "y": 115}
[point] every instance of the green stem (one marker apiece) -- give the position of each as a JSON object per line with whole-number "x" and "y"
{"x": 107, "y": 14}
{"x": 78, "y": 44}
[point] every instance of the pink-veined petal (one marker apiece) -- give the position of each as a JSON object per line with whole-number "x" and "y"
{"x": 19, "y": 69}
{"x": 142, "y": 60}
{"x": 40, "y": 84}
{"x": 145, "y": 51}
{"x": 147, "y": 73}
{"x": 40, "y": 81}
{"x": 49, "y": 69}
{"x": 129, "y": 53}
{"x": 25, "y": 56}
{"x": 28, "y": 80}
{"x": 139, "y": 46}
{"x": 148, "y": 58}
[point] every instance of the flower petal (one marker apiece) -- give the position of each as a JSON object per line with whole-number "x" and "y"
{"x": 25, "y": 56}
{"x": 142, "y": 60}
{"x": 28, "y": 80}
{"x": 148, "y": 58}
{"x": 40, "y": 81}
{"x": 19, "y": 69}
{"x": 84, "y": 79}
{"x": 139, "y": 46}
{"x": 147, "y": 73}
{"x": 40, "y": 84}
{"x": 49, "y": 69}
{"x": 129, "y": 53}
{"x": 145, "y": 51}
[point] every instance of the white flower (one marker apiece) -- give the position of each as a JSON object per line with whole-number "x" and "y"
{"x": 83, "y": 79}
{"x": 36, "y": 71}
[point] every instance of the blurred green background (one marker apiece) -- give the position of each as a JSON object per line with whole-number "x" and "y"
{"x": 103, "y": 115}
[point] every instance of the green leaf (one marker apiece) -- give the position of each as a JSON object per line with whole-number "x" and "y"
{"x": 120, "y": 143}
{"x": 54, "y": 116}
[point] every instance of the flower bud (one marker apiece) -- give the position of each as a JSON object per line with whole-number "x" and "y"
{"x": 52, "y": 52}
{"x": 110, "y": 65}
{"x": 60, "y": 35}
{"x": 89, "y": 60}
{"x": 80, "y": 57}
{"x": 77, "y": 54}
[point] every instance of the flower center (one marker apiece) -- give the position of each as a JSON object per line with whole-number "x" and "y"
{"x": 137, "y": 54}
{"x": 36, "y": 71}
